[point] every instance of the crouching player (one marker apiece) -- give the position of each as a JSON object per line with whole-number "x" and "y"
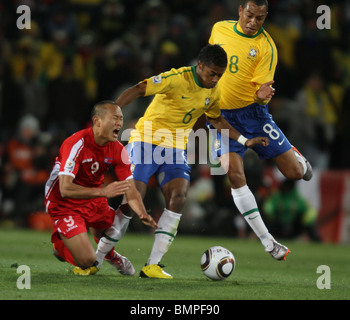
{"x": 76, "y": 199}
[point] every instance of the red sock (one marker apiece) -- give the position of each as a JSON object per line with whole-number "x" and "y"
{"x": 63, "y": 251}
{"x": 110, "y": 254}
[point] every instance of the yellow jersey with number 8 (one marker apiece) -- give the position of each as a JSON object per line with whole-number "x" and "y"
{"x": 178, "y": 103}
{"x": 252, "y": 62}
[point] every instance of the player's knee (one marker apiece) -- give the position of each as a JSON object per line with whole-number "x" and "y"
{"x": 294, "y": 176}
{"x": 294, "y": 172}
{"x": 86, "y": 261}
{"x": 177, "y": 200}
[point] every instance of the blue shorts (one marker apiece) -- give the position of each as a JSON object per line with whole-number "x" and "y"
{"x": 166, "y": 163}
{"x": 251, "y": 121}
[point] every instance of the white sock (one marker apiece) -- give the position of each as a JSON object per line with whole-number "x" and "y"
{"x": 247, "y": 206}
{"x": 164, "y": 235}
{"x": 301, "y": 160}
{"x": 104, "y": 246}
{"x": 112, "y": 235}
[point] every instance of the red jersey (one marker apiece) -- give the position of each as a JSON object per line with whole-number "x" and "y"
{"x": 86, "y": 161}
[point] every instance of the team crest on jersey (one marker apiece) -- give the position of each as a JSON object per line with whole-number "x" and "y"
{"x": 253, "y": 53}
{"x": 157, "y": 79}
{"x": 207, "y": 101}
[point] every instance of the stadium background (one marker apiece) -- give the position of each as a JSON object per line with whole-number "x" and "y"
{"x": 78, "y": 52}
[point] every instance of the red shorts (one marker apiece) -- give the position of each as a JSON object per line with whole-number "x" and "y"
{"x": 72, "y": 221}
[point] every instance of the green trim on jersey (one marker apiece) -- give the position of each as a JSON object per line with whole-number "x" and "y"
{"x": 193, "y": 68}
{"x": 272, "y": 55}
{"x": 245, "y": 35}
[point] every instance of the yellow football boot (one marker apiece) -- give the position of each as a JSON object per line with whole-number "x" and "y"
{"x": 154, "y": 271}
{"x": 85, "y": 272}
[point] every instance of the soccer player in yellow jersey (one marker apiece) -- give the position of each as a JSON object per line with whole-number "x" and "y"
{"x": 158, "y": 145}
{"x": 246, "y": 88}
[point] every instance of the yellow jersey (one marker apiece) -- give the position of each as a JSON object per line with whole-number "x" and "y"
{"x": 252, "y": 62}
{"x": 178, "y": 103}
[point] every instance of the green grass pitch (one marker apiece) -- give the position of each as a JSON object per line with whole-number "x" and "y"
{"x": 256, "y": 277}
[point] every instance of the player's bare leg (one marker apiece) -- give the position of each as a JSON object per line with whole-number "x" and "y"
{"x": 293, "y": 165}
{"x": 175, "y": 193}
{"x": 233, "y": 165}
{"x": 83, "y": 253}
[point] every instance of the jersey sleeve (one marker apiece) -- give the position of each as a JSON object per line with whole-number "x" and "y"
{"x": 122, "y": 167}
{"x": 161, "y": 83}
{"x": 220, "y": 28}
{"x": 211, "y": 39}
{"x": 266, "y": 67}
{"x": 69, "y": 157}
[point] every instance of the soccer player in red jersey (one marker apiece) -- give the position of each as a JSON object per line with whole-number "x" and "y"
{"x": 76, "y": 199}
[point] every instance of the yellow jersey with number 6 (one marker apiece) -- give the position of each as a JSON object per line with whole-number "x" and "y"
{"x": 252, "y": 62}
{"x": 178, "y": 103}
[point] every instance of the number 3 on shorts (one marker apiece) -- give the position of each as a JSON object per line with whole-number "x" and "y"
{"x": 273, "y": 133}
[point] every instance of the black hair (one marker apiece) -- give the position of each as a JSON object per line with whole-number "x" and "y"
{"x": 213, "y": 54}
{"x": 99, "y": 108}
{"x": 259, "y": 3}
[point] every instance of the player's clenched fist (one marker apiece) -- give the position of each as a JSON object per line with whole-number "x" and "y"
{"x": 257, "y": 141}
{"x": 266, "y": 91}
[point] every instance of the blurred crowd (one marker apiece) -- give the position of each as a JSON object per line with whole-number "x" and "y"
{"x": 78, "y": 52}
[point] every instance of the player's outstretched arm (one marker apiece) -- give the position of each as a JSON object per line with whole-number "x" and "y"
{"x": 69, "y": 189}
{"x": 131, "y": 94}
{"x": 257, "y": 141}
{"x": 136, "y": 204}
{"x": 221, "y": 123}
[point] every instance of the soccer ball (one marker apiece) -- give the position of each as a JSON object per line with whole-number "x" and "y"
{"x": 218, "y": 263}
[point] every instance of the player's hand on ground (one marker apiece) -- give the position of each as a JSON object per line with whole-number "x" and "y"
{"x": 148, "y": 220}
{"x": 257, "y": 141}
{"x": 266, "y": 91}
{"x": 116, "y": 188}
